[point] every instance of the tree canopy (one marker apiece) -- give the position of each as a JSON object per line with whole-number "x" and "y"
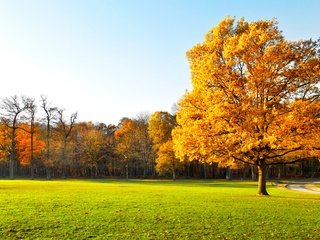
{"x": 255, "y": 98}
{"x": 160, "y": 126}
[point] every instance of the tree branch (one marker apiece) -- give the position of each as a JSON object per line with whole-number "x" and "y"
{"x": 243, "y": 161}
{"x": 285, "y": 153}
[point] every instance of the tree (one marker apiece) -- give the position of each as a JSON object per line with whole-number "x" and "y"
{"x": 50, "y": 115}
{"x": 160, "y": 127}
{"x": 144, "y": 148}
{"x": 4, "y": 147}
{"x": 110, "y": 145}
{"x": 31, "y": 109}
{"x": 65, "y": 129}
{"x": 133, "y": 143}
{"x": 29, "y": 148}
{"x": 166, "y": 160}
{"x": 11, "y": 109}
{"x": 255, "y": 98}
{"x": 90, "y": 144}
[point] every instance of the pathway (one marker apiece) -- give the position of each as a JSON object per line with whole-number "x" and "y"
{"x": 304, "y": 187}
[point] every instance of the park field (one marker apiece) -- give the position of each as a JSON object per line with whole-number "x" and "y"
{"x": 154, "y": 209}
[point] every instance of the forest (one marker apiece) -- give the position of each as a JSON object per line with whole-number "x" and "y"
{"x": 39, "y": 140}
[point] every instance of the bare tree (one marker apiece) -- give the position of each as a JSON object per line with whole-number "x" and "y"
{"x": 66, "y": 130}
{"x": 50, "y": 116}
{"x": 11, "y": 108}
{"x": 31, "y": 108}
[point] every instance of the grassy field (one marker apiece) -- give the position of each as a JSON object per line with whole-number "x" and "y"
{"x": 137, "y": 209}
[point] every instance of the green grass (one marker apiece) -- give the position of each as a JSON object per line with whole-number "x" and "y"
{"x": 137, "y": 209}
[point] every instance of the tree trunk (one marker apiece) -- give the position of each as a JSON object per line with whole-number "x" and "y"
{"x": 228, "y": 173}
{"x": 312, "y": 169}
{"x": 173, "y": 174}
{"x": 262, "y": 186}
{"x": 63, "y": 159}
{"x": 32, "y": 167}
{"x": 127, "y": 170}
{"x": 144, "y": 168}
{"x": 205, "y": 170}
{"x": 48, "y": 171}
{"x": 12, "y": 151}
{"x": 112, "y": 168}
{"x": 253, "y": 175}
{"x": 11, "y": 167}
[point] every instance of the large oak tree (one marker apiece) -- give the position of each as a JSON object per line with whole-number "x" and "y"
{"x": 255, "y": 98}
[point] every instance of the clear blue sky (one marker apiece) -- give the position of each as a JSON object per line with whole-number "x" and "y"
{"x": 109, "y": 59}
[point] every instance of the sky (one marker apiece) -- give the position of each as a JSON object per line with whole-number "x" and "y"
{"x": 109, "y": 59}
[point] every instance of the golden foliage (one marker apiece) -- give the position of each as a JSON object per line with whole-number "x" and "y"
{"x": 132, "y": 140}
{"x": 255, "y": 97}
{"x": 160, "y": 126}
{"x": 90, "y": 141}
{"x": 166, "y": 160}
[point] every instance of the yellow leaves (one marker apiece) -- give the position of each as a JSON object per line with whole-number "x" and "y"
{"x": 253, "y": 95}
{"x": 220, "y": 31}
{"x": 160, "y": 125}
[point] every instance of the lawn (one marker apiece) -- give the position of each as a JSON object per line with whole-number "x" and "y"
{"x": 142, "y": 209}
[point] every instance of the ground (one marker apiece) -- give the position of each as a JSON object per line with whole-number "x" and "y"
{"x": 142, "y": 209}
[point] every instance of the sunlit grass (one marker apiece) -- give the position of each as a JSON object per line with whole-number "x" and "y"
{"x": 136, "y": 209}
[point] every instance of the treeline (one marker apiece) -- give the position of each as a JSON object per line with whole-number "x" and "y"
{"x": 38, "y": 140}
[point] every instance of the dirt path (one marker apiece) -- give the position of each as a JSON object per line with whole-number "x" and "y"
{"x": 308, "y": 187}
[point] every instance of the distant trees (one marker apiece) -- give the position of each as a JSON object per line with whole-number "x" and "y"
{"x": 255, "y": 99}
{"x": 49, "y": 117}
{"x": 160, "y": 127}
{"x": 65, "y": 128}
{"x": 20, "y": 126}
{"x": 12, "y": 109}
{"x": 45, "y": 144}
{"x": 31, "y": 108}
{"x": 41, "y": 142}
{"x": 90, "y": 146}
{"x": 134, "y": 146}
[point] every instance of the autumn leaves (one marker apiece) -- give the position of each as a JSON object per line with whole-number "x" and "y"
{"x": 255, "y": 98}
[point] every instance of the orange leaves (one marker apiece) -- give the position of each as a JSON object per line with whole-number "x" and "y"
{"x": 255, "y": 96}
{"x": 23, "y": 144}
{"x": 132, "y": 140}
{"x": 4, "y": 141}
